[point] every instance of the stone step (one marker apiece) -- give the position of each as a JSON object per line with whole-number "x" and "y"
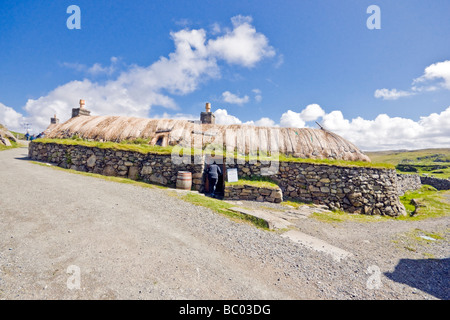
{"x": 273, "y": 222}
{"x": 317, "y": 244}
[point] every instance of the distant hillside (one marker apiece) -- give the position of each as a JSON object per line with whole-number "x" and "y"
{"x": 433, "y": 162}
{"x": 7, "y": 139}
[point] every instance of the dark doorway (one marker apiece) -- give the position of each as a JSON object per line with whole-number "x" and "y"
{"x": 220, "y": 182}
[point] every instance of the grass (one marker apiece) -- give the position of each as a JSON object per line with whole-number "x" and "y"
{"x": 20, "y": 136}
{"x": 295, "y": 203}
{"x": 423, "y": 161}
{"x": 119, "y": 146}
{"x": 435, "y": 203}
{"x": 413, "y": 241}
{"x": 13, "y": 145}
{"x": 338, "y": 216}
{"x": 341, "y": 163}
{"x": 142, "y": 146}
{"x": 222, "y": 207}
{"x": 255, "y": 181}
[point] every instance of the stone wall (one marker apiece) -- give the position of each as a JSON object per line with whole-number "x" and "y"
{"x": 154, "y": 168}
{"x": 352, "y": 189}
{"x": 249, "y": 192}
{"x": 440, "y": 184}
{"x": 406, "y": 182}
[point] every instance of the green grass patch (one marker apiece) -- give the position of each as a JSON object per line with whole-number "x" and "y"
{"x": 417, "y": 240}
{"x": 295, "y": 203}
{"x": 18, "y": 135}
{"x": 222, "y": 208}
{"x": 142, "y": 146}
{"x": 434, "y": 162}
{"x": 13, "y": 145}
{"x": 338, "y": 216}
{"x": 435, "y": 203}
{"x": 119, "y": 146}
{"x": 340, "y": 163}
{"x": 255, "y": 181}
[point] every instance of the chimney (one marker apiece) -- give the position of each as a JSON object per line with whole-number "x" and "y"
{"x": 207, "y": 117}
{"x": 81, "y": 111}
{"x": 54, "y": 120}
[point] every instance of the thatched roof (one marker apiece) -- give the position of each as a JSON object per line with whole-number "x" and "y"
{"x": 6, "y": 137}
{"x": 299, "y": 142}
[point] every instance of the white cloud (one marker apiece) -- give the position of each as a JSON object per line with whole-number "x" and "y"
{"x": 265, "y": 122}
{"x": 435, "y": 76}
{"x": 298, "y": 119}
{"x": 382, "y": 133}
{"x": 234, "y": 99}
{"x": 292, "y": 119}
{"x": 134, "y": 91}
{"x": 95, "y": 70}
{"x": 392, "y": 94}
{"x": 176, "y": 116}
{"x": 242, "y": 45}
{"x": 258, "y": 96}
{"x": 11, "y": 118}
{"x": 222, "y": 117}
{"x": 436, "y": 71}
{"x": 388, "y": 133}
{"x": 280, "y": 61}
{"x": 312, "y": 112}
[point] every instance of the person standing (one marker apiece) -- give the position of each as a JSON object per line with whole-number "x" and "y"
{"x": 213, "y": 175}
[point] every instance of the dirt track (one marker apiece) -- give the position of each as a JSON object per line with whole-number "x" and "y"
{"x": 129, "y": 242}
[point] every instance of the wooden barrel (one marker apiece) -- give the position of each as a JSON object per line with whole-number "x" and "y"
{"x": 184, "y": 180}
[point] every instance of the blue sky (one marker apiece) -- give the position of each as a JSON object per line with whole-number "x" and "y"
{"x": 280, "y": 63}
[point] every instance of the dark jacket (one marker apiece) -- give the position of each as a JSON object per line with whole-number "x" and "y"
{"x": 214, "y": 171}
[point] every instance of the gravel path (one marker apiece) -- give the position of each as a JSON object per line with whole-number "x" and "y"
{"x": 129, "y": 242}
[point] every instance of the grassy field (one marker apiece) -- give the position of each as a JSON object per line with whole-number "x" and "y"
{"x": 433, "y": 162}
{"x": 13, "y": 145}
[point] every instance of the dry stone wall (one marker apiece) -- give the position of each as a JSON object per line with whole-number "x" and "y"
{"x": 352, "y": 189}
{"x": 249, "y": 192}
{"x": 154, "y": 168}
{"x": 440, "y": 184}
{"x": 406, "y": 182}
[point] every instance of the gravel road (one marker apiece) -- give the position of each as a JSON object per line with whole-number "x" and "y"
{"x": 69, "y": 236}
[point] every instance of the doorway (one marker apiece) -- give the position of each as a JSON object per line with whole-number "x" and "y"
{"x": 220, "y": 182}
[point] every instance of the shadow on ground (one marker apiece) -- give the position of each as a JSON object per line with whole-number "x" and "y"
{"x": 428, "y": 275}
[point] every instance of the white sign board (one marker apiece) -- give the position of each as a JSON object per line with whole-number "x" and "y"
{"x": 232, "y": 175}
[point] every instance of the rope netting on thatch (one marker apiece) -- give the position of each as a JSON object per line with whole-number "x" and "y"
{"x": 299, "y": 142}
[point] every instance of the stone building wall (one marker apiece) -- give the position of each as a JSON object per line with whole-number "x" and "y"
{"x": 154, "y": 168}
{"x": 249, "y": 192}
{"x": 352, "y": 189}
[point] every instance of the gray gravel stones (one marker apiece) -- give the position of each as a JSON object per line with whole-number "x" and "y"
{"x": 139, "y": 243}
